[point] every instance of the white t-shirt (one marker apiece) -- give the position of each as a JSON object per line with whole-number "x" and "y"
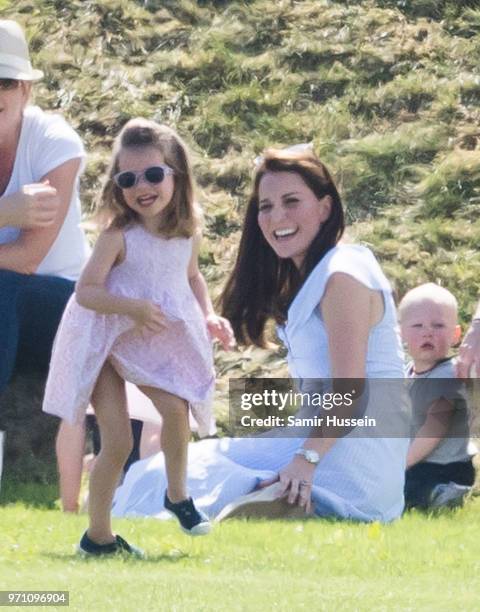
{"x": 46, "y": 142}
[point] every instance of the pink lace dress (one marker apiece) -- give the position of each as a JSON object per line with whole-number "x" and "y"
{"x": 178, "y": 359}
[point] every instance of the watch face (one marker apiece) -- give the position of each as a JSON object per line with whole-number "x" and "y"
{"x": 310, "y": 455}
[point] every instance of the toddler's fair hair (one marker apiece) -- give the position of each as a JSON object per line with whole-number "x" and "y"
{"x": 428, "y": 292}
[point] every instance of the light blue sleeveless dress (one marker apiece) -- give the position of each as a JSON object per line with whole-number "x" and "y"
{"x": 360, "y": 478}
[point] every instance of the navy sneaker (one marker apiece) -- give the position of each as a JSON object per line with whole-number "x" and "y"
{"x": 89, "y": 548}
{"x": 192, "y": 521}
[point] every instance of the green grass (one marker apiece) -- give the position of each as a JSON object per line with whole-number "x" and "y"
{"x": 420, "y": 562}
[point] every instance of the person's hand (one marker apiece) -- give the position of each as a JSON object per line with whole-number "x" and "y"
{"x": 149, "y": 316}
{"x": 34, "y": 206}
{"x": 220, "y": 329}
{"x": 296, "y": 479}
{"x": 469, "y": 353}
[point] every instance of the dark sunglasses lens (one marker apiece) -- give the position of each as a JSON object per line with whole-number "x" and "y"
{"x": 125, "y": 180}
{"x": 156, "y": 174}
{"x": 8, "y": 83}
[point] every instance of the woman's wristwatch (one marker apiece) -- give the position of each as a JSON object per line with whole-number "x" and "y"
{"x": 310, "y": 455}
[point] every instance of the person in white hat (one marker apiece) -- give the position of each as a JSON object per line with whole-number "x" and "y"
{"x": 42, "y": 247}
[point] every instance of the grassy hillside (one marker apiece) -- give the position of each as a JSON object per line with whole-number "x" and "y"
{"x": 388, "y": 92}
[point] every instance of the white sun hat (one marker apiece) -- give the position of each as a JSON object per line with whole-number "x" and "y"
{"x": 14, "y": 56}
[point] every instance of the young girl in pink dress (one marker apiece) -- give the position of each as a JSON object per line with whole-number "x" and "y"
{"x": 141, "y": 313}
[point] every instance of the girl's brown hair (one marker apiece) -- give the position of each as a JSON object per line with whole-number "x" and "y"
{"x": 262, "y": 285}
{"x": 181, "y": 216}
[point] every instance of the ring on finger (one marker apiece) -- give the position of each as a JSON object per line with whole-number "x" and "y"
{"x": 305, "y": 483}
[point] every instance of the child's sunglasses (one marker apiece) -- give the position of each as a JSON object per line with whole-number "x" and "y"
{"x": 154, "y": 175}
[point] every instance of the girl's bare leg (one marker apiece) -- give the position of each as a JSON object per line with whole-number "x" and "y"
{"x": 174, "y": 439}
{"x": 110, "y": 404}
{"x": 70, "y": 448}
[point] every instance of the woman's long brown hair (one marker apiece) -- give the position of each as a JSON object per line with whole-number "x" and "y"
{"x": 261, "y": 285}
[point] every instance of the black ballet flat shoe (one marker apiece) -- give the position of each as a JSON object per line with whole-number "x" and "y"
{"x": 192, "y": 521}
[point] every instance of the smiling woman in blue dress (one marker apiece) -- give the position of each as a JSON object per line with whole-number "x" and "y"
{"x": 335, "y": 314}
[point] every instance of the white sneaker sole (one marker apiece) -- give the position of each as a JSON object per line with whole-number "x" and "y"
{"x": 199, "y": 530}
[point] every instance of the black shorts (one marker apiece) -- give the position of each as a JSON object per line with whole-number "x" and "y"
{"x": 421, "y": 478}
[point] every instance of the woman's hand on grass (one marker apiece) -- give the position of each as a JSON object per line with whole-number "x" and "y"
{"x": 296, "y": 479}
